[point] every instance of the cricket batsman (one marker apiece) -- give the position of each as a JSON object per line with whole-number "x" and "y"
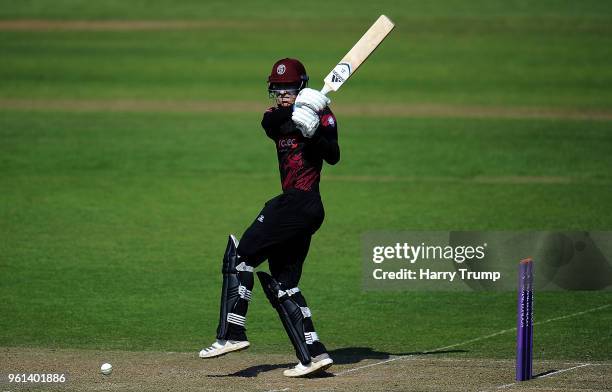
{"x": 304, "y": 131}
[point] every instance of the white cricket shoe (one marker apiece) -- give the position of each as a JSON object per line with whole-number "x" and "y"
{"x": 317, "y": 364}
{"x": 221, "y": 347}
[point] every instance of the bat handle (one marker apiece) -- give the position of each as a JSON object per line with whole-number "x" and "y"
{"x": 325, "y": 89}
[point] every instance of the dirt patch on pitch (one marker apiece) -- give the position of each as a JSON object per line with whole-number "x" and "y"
{"x": 357, "y": 109}
{"x": 119, "y": 25}
{"x": 473, "y": 111}
{"x": 155, "y": 371}
{"x": 130, "y": 105}
{"x": 470, "y": 180}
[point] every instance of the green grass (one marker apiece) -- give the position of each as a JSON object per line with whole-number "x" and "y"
{"x": 511, "y": 60}
{"x": 113, "y": 225}
{"x": 193, "y": 9}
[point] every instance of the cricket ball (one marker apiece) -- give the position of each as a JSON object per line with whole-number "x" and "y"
{"x": 106, "y": 368}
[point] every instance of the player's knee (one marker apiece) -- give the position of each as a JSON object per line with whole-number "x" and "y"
{"x": 287, "y": 283}
{"x": 244, "y": 250}
{"x": 246, "y": 253}
{"x": 249, "y": 254}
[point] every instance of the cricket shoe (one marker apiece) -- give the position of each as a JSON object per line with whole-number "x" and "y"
{"x": 222, "y": 347}
{"x": 317, "y": 364}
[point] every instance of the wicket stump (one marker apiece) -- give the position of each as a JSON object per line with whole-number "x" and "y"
{"x": 524, "y": 329}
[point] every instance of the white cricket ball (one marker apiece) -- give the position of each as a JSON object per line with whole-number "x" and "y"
{"x": 106, "y": 368}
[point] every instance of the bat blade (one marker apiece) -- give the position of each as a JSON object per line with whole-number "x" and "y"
{"x": 358, "y": 54}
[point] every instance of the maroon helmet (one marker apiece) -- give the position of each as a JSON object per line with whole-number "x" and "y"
{"x": 287, "y": 74}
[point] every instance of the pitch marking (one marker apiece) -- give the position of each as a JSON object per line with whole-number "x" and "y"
{"x": 546, "y": 375}
{"x": 470, "y": 341}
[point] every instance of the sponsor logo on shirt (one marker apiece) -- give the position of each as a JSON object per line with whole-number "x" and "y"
{"x": 287, "y": 143}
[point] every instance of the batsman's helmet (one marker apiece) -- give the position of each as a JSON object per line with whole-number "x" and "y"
{"x": 288, "y": 72}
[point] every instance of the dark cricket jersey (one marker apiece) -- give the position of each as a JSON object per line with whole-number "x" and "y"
{"x": 300, "y": 159}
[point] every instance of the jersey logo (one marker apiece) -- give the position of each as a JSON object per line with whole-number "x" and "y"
{"x": 328, "y": 120}
{"x": 260, "y": 218}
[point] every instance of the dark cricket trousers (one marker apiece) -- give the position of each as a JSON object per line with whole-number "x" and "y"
{"x": 281, "y": 234}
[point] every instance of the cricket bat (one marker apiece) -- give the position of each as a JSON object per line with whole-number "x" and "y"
{"x": 358, "y": 54}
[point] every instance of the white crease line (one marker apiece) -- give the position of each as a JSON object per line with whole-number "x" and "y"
{"x": 543, "y": 376}
{"x": 278, "y": 390}
{"x": 564, "y": 370}
{"x": 501, "y": 361}
{"x": 503, "y": 386}
{"x": 503, "y": 331}
{"x": 574, "y": 314}
{"x": 372, "y": 364}
{"x": 426, "y": 352}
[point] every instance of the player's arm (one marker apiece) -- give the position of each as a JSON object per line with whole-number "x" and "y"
{"x": 317, "y": 123}
{"x": 326, "y": 139}
{"x": 308, "y": 104}
{"x": 272, "y": 120}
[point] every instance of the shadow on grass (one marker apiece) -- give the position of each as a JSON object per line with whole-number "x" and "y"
{"x": 341, "y": 356}
{"x": 348, "y": 355}
{"x": 253, "y": 371}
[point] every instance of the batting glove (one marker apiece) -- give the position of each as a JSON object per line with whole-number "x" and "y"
{"x": 306, "y": 120}
{"x": 313, "y": 99}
